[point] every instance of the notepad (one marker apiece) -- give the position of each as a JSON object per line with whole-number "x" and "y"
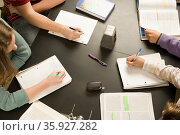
{"x": 137, "y": 78}
{"x": 86, "y": 24}
{"x": 126, "y": 106}
{"x": 160, "y": 15}
{"x": 35, "y": 74}
{"x": 98, "y": 8}
{"x": 40, "y": 111}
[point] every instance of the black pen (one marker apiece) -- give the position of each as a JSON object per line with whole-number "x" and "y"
{"x": 74, "y": 29}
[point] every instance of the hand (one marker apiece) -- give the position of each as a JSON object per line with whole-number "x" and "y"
{"x": 72, "y": 34}
{"x": 152, "y": 35}
{"x": 139, "y": 62}
{"x": 54, "y": 79}
{"x": 13, "y": 10}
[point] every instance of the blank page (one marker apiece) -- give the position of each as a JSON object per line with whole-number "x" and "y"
{"x": 87, "y": 25}
{"x": 136, "y": 78}
{"x": 39, "y": 72}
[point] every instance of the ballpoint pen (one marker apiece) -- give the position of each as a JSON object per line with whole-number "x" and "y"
{"x": 99, "y": 61}
{"x": 137, "y": 54}
{"x": 74, "y": 29}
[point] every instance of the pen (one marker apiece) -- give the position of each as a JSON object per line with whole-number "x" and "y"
{"x": 99, "y": 61}
{"x": 74, "y": 29}
{"x": 137, "y": 54}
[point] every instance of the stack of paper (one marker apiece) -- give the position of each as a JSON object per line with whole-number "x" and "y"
{"x": 40, "y": 111}
{"x": 136, "y": 78}
{"x": 126, "y": 106}
{"x": 33, "y": 75}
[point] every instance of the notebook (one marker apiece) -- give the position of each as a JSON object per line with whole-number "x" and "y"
{"x": 33, "y": 75}
{"x": 40, "y": 111}
{"x": 87, "y": 25}
{"x": 137, "y": 78}
{"x": 98, "y": 8}
{"x": 160, "y": 15}
{"x": 126, "y": 106}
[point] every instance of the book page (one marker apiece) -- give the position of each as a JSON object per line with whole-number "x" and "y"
{"x": 127, "y": 106}
{"x": 39, "y": 72}
{"x": 129, "y": 74}
{"x": 157, "y": 4}
{"x": 164, "y": 21}
{"x": 40, "y": 111}
{"x": 87, "y": 25}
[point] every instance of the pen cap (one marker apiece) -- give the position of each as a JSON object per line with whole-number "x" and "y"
{"x": 109, "y": 37}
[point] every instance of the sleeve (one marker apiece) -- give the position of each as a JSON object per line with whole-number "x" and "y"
{"x": 19, "y": 2}
{"x": 23, "y": 52}
{"x": 168, "y": 73}
{"x": 10, "y": 101}
{"x": 172, "y": 45}
{"x": 21, "y": 55}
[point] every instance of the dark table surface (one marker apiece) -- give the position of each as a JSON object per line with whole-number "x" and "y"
{"x": 82, "y": 69}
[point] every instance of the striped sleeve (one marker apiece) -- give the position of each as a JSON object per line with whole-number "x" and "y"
{"x": 168, "y": 73}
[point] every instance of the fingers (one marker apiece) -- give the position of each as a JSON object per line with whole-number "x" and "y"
{"x": 130, "y": 58}
{"x": 60, "y": 74}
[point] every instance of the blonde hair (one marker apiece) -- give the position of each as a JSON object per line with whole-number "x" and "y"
{"x": 6, "y": 67}
{"x": 171, "y": 112}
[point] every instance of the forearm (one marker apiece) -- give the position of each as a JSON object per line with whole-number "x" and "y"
{"x": 36, "y": 89}
{"x": 44, "y": 5}
{"x": 168, "y": 73}
{"x": 172, "y": 45}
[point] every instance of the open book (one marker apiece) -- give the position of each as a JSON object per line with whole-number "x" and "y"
{"x": 137, "y": 78}
{"x": 33, "y": 75}
{"x": 40, "y": 111}
{"x": 86, "y": 24}
{"x": 126, "y": 106}
{"x": 160, "y": 15}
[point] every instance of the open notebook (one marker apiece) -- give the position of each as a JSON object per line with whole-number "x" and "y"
{"x": 137, "y": 78}
{"x": 126, "y": 106}
{"x": 33, "y": 75}
{"x": 86, "y": 24}
{"x": 40, "y": 111}
{"x": 160, "y": 15}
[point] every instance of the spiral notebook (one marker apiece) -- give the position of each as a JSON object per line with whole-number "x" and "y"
{"x": 40, "y": 111}
{"x": 137, "y": 78}
{"x": 33, "y": 75}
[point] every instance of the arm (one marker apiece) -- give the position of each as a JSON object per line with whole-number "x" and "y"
{"x": 10, "y": 101}
{"x": 168, "y": 73}
{"x": 43, "y": 22}
{"x": 46, "y": 4}
{"x": 22, "y": 54}
{"x": 172, "y": 45}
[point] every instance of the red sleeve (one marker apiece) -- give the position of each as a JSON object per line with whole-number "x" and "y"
{"x": 19, "y": 2}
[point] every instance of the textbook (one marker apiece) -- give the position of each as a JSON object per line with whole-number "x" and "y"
{"x": 40, "y": 111}
{"x": 87, "y": 25}
{"x": 160, "y": 15}
{"x": 137, "y": 78}
{"x": 35, "y": 74}
{"x": 126, "y": 106}
{"x": 98, "y": 8}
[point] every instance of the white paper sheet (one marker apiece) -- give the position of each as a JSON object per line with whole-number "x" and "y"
{"x": 136, "y": 78}
{"x": 86, "y": 24}
{"x": 40, "y": 111}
